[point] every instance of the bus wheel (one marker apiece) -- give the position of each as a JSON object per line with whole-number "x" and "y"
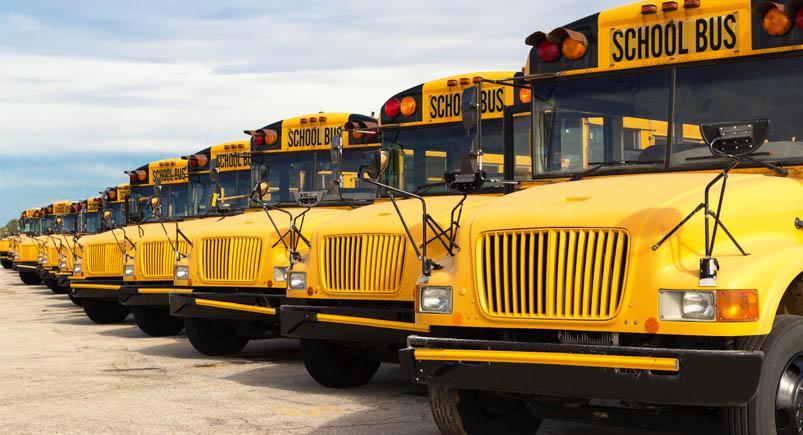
{"x": 53, "y": 285}
{"x": 157, "y": 321}
{"x": 335, "y": 365}
{"x": 76, "y": 301}
{"x": 29, "y": 278}
{"x": 469, "y": 411}
{"x": 214, "y": 337}
{"x": 104, "y": 312}
{"x": 7, "y": 264}
{"x": 778, "y": 404}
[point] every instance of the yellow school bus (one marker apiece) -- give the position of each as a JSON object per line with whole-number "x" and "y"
{"x": 6, "y": 250}
{"x": 99, "y": 272}
{"x": 26, "y": 251}
{"x": 355, "y": 289}
{"x": 89, "y": 221}
{"x": 60, "y": 225}
{"x": 238, "y": 266}
{"x": 661, "y": 282}
{"x": 218, "y": 184}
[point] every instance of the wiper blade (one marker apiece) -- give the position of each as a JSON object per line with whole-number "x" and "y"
{"x": 424, "y": 187}
{"x": 599, "y": 165}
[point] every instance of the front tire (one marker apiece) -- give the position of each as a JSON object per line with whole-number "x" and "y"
{"x": 459, "y": 412}
{"x": 157, "y": 321}
{"x": 104, "y": 312}
{"x": 776, "y": 408}
{"x": 214, "y": 337}
{"x": 29, "y": 278}
{"x": 7, "y": 264}
{"x": 53, "y": 285}
{"x": 335, "y": 365}
{"x": 76, "y": 301}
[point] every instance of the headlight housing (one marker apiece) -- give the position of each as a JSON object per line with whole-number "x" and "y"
{"x": 41, "y": 258}
{"x": 297, "y": 281}
{"x": 76, "y": 269}
{"x": 182, "y": 273}
{"x": 128, "y": 270}
{"x": 709, "y": 305}
{"x": 279, "y": 274}
{"x": 435, "y": 300}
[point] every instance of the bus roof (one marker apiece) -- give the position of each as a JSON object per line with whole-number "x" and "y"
{"x": 312, "y": 132}
{"x": 641, "y": 35}
{"x": 168, "y": 171}
{"x": 438, "y": 101}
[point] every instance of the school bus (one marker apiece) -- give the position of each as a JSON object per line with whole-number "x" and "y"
{"x": 6, "y": 257}
{"x": 353, "y": 294}
{"x": 89, "y": 221}
{"x": 98, "y": 275}
{"x": 237, "y": 267}
{"x": 26, "y": 252}
{"x": 662, "y": 281}
{"x": 222, "y": 172}
{"x": 60, "y": 225}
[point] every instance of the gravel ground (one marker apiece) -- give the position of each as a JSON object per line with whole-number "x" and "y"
{"x": 62, "y": 373}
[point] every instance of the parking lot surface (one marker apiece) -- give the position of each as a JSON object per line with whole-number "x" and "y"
{"x": 62, "y": 373}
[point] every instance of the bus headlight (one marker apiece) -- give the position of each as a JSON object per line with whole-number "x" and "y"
{"x": 182, "y": 273}
{"x": 700, "y": 306}
{"x": 128, "y": 270}
{"x": 297, "y": 281}
{"x": 279, "y": 274}
{"x": 41, "y": 258}
{"x": 76, "y": 269}
{"x": 436, "y": 300}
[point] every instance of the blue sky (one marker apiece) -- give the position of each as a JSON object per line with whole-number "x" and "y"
{"x": 91, "y": 88}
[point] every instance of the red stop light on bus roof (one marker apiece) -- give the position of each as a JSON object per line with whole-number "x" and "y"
{"x": 799, "y": 18}
{"x": 548, "y": 51}
{"x": 393, "y": 108}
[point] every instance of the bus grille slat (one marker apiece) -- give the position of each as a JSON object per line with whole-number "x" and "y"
{"x": 369, "y": 263}
{"x": 230, "y": 259}
{"x": 552, "y": 273}
{"x": 104, "y": 259}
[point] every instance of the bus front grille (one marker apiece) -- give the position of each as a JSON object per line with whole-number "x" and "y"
{"x": 103, "y": 259}
{"x": 363, "y": 263}
{"x": 553, "y": 273}
{"x": 230, "y": 259}
{"x": 157, "y": 259}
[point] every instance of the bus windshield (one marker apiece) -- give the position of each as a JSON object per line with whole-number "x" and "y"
{"x": 311, "y": 171}
{"x": 201, "y": 188}
{"x": 625, "y": 117}
{"x": 421, "y": 155}
{"x": 92, "y": 222}
{"x": 118, "y": 217}
{"x": 174, "y": 201}
{"x": 68, "y": 223}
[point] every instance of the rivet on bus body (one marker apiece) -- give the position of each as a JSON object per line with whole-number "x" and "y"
{"x": 462, "y": 292}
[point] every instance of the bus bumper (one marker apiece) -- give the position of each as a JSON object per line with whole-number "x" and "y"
{"x": 346, "y": 324}
{"x": 63, "y": 279}
{"x": 154, "y": 294}
{"x": 225, "y": 306}
{"x": 100, "y": 289}
{"x": 649, "y": 375}
{"x": 26, "y": 267}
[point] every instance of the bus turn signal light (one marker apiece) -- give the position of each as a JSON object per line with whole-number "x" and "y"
{"x": 392, "y": 108}
{"x": 737, "y": 306}
{"x": 574, "y": 49}
{"x": 407, "y": 106}
{"x": 526, "y": 95}
{"x": 271, "y": 137}
{"x": 774, "y": 18}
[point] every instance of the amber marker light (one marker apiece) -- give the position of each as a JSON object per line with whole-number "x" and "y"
{"x": 465, "y": 81}
{"x": 451, "y": 82}
{"x": 737, "y": 306}
{"x": 271, "y": 137}
{"x": 649, "y": 9}
{"x": 669, "y": 6}
{"x": 774, "y": 18}
{"x": 526, "y": 95}
{"x": 691, "y": 4}
{"x": 407, "y": 106}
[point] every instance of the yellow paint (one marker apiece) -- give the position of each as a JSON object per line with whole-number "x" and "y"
{"x": 235, "y": 307}
{"x": 96, "y": 286}
{"x": 550, "y": 358}
{"x": 160, "y": 291}
{"x": 372, "y": 323}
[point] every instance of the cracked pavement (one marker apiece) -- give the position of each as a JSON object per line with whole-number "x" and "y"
{"x": 62, "y": 373}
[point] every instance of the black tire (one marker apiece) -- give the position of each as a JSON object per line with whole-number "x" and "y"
{"x": 214, "y": 337}
{"x": 781, "y": 347}
{"x": 29, "y": 278}
{"x": 7, "y": 264}
{"x": 104, "y": 311}
{"x": 76, "y": 301}
{"x": 459, "y": 412}
{"x": 53, "y": 285}
{"x": 335, "y": 365}
{"x": 157, "y": 321}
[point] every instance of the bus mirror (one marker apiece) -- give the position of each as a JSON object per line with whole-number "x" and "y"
{"x": 468, "y": 107}
{"x": 374, "y": 164}
{"x": 107, "y": 216}
{"x": 263, "y": 190}
{"x": 59, "y": 221}
{"x": 154, "y": 203}
{"x": 214, "y": 171}
{"x": 735, "y": 139}
{"x": 336, "y": 149}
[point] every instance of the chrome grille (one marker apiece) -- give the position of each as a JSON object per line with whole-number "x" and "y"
{"x": 363, "y": 263}
{"x": 552, "y": 273}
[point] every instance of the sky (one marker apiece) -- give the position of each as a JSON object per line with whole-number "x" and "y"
{"x": 90, "y": 88}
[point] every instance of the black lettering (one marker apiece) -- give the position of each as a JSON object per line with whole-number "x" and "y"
{"x": 701, "y": 28}
{"x": 630, "y": 49}
{"x": 619, "y": 52}
{"x": 682, "y": 49}
{"x": 432, "y": 108}
{"x": 657, "y": 41}
{"x": 730, "y": 29}
{"x": 715, "y": 38}
{"x": 643, "y": 42}
{"x": 500, "y": 100}
{"x": 670, "y": 39}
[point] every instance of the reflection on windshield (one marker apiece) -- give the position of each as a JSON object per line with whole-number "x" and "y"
{"x": 625, "y": 117}
{"x": 421, "y": 155}
{"x": 92, "y": 222}
{"x": 201, "y": 189}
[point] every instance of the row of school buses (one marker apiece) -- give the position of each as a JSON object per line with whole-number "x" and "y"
{"x": 613, "y": 235}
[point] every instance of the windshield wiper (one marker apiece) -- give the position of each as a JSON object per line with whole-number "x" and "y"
{"x": 599, "y": 165}
{"x": 425, "y": 187}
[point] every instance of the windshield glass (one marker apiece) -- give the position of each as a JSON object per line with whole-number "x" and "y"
{"x": 289, "y": 173}
{"x": 28, "y": 225}
{"x": 235, "y": 185}
{"x": 118, "y": 217}
{"x": 421, "y": 155}
{"x": 201, "y": 189}
{"x": 92, "y": 222}
{"x": 68, "y": 224}
{"x": 625, "y": 117}
{"x": 48, "y": 223}
{"x": 139, "y": 209}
